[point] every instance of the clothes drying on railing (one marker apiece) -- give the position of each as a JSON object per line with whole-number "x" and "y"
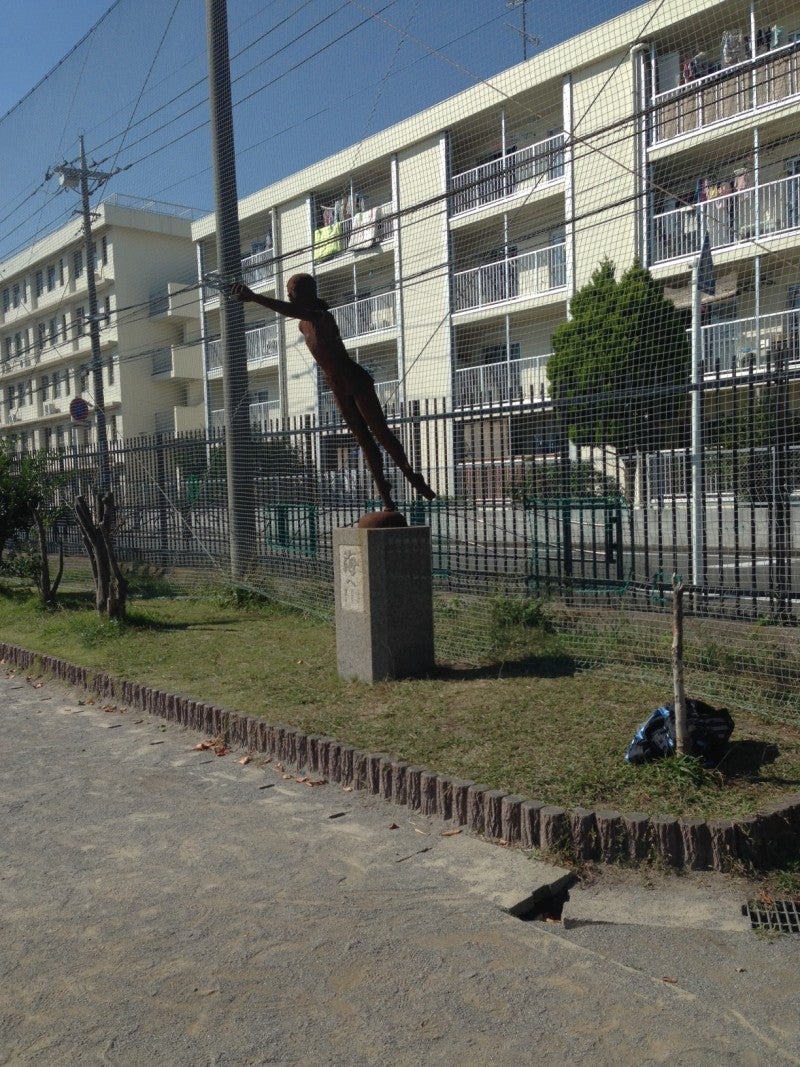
{"x": 327, "y": 241}
{"x": 365, "y": 229}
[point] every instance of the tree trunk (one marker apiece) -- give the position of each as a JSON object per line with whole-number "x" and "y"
{"x": 682, "y": 739}
{"x": 111, "y": 588}
{"x": 47, "y": 589}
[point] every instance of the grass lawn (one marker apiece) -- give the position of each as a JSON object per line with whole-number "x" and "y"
{"x": 539, "y": 726}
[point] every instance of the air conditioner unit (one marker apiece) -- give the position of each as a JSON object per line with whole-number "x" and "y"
{"x": 51, "y": 408}
{"x": 13, "y": 416}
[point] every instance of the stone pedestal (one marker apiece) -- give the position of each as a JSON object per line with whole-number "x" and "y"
{"x": 384, "y": 602}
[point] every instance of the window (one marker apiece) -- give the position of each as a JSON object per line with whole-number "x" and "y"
{"x": 19, "y": 347}
{"x": 45, "y": 387}
{"x": 59, "y": 436}
{"x": 83, "y": 379}
{"x": 110, "y": 371}
{"x": 48, "y": 438}
{"x": 107, "y": 312}
{"x": 6, "y": 299}
{"x": 64, "y": 328}
{"x": 39, "y": 282}
{"x": 41, "y": 338}
{"x": 12, "y": 396}
{"x": 104, "y": 252}
{"x": 77, "y": 262}
{"x": 51, "y": 278}
{"x": 79, "y": 321}
{"x": 61, "y": 271}
{"x": 8, "y": 351}
{"x": 53, "y": 331}
{"x": 15, "y": 295}
{"x": 29, "y": 385}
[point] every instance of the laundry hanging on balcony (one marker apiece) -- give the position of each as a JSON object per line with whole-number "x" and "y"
{"x": 365, "y": 229}
{"x": 327, "y": 241}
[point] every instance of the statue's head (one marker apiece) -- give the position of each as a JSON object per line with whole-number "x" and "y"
{"x": 301, "y": 287}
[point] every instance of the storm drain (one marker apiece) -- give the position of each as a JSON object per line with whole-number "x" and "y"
{"x": 780, "y": 916}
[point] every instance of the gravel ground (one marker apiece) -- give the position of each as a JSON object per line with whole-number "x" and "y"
{"x": 167, "y": 906}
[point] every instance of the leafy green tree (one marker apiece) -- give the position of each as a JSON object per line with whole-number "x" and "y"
{"x": 621, "y": 365}
{"x": 27, "y": 491}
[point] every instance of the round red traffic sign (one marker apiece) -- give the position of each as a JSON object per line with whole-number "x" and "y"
{"x": 79, "y": 409}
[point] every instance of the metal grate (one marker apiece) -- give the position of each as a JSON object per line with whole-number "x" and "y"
{"x": 782, "y": 916}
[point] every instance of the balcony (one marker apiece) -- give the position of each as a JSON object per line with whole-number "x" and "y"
{"x": 498, "y": 383}
{"x": 749, "y": 86}
{"x": 179, "y": 301}
{"x": 258, "y": 269}
{"x": 388, "y": 394}
{"x": 526, "y": 275}
{"x": 361, "y": 233}
{"x": 260, "y": 415}
{"x": 179, "y": 361}
{"x": 732, "y": 346}
{"x": 366, "y": 316}
{"x": 738, "y": 218}
{"x": 527, "y": 168}
{"x": 262, "y": 349}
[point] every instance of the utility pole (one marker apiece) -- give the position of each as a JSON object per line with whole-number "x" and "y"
{"x": 72, "y": 177}
{"x": 241, "y": 511}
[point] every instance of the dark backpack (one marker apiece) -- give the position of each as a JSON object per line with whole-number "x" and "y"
{"x": 709, "y": 729}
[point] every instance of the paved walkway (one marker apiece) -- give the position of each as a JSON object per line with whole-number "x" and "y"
{"x": 166, "y": 906}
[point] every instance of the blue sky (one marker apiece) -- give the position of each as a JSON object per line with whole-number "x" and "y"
{"x": 311, "y": 77}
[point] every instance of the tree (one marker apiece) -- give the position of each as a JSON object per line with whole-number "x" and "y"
{"x": 27, "y": 487}
{"x": 620, "y": 367}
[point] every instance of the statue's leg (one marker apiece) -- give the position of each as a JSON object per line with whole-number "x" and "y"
{"x": 373, "y": 414}
{"x": 372, "y": 454}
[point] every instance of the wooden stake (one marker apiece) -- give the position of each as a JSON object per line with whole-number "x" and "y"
{"x": 682, "y": 739}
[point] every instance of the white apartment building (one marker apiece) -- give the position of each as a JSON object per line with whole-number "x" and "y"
{"x": 149, "y": 346}
{"x": 449, "y": 245}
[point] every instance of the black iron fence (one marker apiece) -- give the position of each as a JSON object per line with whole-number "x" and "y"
{"x": 519, "y": 509}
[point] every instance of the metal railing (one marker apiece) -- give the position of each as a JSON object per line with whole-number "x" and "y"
{"x": 367, "y": 315}
{"x": 733, "y": 346}
{"x": 262, "y": 347}
{"x": 529, "y": 274}
{"x": 747, "y": 86}
{"x": 258, "y": 268}
{"x": 260, "y": 415}
{"x": 537, "y": 164}
{"x": 492, "y": 383}
{"x": 736, "y": 218}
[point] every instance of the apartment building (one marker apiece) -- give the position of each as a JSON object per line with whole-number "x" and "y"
{"x": 148, "y": 309}
{"x": 450, "y": 245}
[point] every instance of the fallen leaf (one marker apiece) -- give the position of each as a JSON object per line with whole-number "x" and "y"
{"x": 221, "y": 750}
{"x": 286, "y": 777}
{"x": 347, "y": 789}
{"x": 244, "y": 760}
{"x": 671, "y": 981}
{"x": 201, "y": 746}
{"x": 393, "y": 826}
{"x": 301, "y": 780}
{"x": 450, "y": 833}
{"x": 553, "y": 922}
{"x": 279, "y": 766}
{"x": 741, "y": 970}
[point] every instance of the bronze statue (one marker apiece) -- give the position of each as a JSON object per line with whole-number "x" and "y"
{"x": 353, "y": 387}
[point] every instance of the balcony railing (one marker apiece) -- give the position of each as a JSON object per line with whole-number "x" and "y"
{"x": 260, "y": 414}
{"x": 497, "y": 383}
{"x": 748, "y": 86}
{"x": 739, "y": 217}
{"x": 388, "y": 394}
{"x": 529, "y": 274}
{"x": 367, "y": 315}
{"x": 538, "y": 164}
{"x": 262, "y": 346}
{"x": 258, "y": 268}
{"x": 733, "y": 345}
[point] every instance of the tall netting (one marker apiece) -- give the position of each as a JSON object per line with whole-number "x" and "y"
{"x": 574, "y": 282}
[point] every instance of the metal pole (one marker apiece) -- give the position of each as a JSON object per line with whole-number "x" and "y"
{"x": 234, "y": 353}
{"x": 698, "y": 511}
{"x": 103, "y": 468}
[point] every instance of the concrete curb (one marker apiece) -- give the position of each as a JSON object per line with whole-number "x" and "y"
{"x": 606, "y": 836}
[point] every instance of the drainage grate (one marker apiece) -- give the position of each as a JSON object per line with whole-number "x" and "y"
{"x": 782, "y": 916}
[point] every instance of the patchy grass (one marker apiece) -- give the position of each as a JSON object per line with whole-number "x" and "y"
{"x": 535, "y": 723}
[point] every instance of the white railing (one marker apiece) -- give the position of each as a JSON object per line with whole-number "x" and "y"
{"x": 736, "y": 218}
{"x": 734, "y": 345}
{"x": 258, "y": 268}
{"x": 366, "y": 316}
{"x": 260, "y": 414}
{"x": 747, "y": 86}
{"x": 262, "y": 346}
{"x": 388, "y": 393}
{"x": 538, "y": 164}
{"x": 529, "y": 274}
{"x": 495, "y": 383}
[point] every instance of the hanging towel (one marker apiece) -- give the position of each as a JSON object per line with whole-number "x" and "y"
{"x": 327, "y": 241}
{"x": 365, "y": 229}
